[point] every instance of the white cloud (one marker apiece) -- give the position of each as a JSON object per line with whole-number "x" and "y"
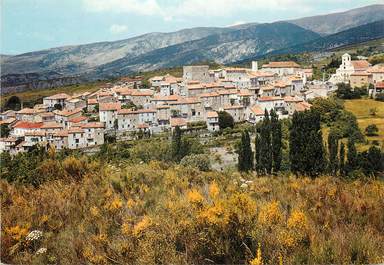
{"x": 197, "y": 8}
{"x": 118, "y": 29}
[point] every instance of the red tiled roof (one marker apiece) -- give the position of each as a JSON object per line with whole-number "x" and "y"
{"x": 269, "y": 98}
{"x": 212, "y": 114}
{"x": 28, "y": 125}
{"x": 93, "y": 125}
{"x": 66, "y": 112}
{"x": 59, "y": 96}
{"x": 78, "y": 119}
{"x": 285, "y": 64}
{"x": 109, "y": 106}
{"x": 143, "y": 126}
{"x": 51, "y": 125}
{"x": 178, "y": 122}
{"x": 257, "y": 110}
{"x": 380, "y": 85}
{"x": 233, "y": 107}
{"x": 360, "y": 64}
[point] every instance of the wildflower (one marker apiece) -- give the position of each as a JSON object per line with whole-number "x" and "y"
{"x": 44, "y": 218}
{"x": 195, "y": 197}
{"x": 116, "y": 204}
{"x": 270, "y": 213}
{"x": 214, "y": 214}
{"x": 17, "y": 232}
{"x": 125, "y": 228}
{"x": 297, "y": 221}
{"x": 287, "y": 239}
{"x": 34, "y": 235}
{"x": 142, "y": 225}
{"x": 213, "y": 190}
{"x": 94, "y": 211}
{"x": 258, "y": 260}
{"x": 41, "y": 251}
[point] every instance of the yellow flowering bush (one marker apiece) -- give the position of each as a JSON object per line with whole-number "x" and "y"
{"x": 270, "y": 214}
{"x": 195, "y": 197}
{"x": 141, "y": 226}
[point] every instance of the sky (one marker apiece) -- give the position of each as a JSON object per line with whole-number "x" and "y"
{"x": 31, "y": 25}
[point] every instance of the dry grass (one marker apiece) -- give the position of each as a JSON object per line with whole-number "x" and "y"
{"x": 156, "y": 214}
{"x": 361, "y": 109}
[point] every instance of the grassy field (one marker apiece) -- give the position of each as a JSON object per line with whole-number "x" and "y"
{"x": 361, "y": 108}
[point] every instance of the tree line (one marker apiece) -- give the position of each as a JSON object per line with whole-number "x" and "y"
{"x": 308, "y": 154}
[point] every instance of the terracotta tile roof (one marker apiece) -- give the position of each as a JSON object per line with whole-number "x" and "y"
{"x": 166, "y": 98}
{"x": 257, "y": 110}
{"x": 233, "y": 107}
{"x": 244, "y": 93}
{"x": 28, "y": 125}
{"x": 35, "y": 133}
{"x": 285, "y": 64}
{"x": 360, "y": 64}
{"x": 109, "y": 106}
{"x": 156, "y": 78}
{"x": 226, "y": 92}
{"x": 267, "y": 87}
{"x": 93, "y": 125}
{"x": 178, "y": 122}
{"x": 292, "y": 99}
{"x": 62, "y": 133}
{"x": 280, "y": 84}
{"x": 27, "y": 111}
{"x": 142, "y": 93}
{"x": 66, "y": 112}
{"x": 195, "y": 86}
{"x": 212, "y": 114}
{"x": 78, "y": 119}
{"x": 379, "y": 85}
{"x": 8, "y": 121}
{"x": 58, "y": 96}
{"x": 301, "y": 106}
{"x": 209, "y": 95}
{"x": 269, "y": 98}
{"x": 75, "y": 130}
{"x": 92, "y": 101}
{"x": 361, "y": 73}
{"x": 235, "y": 70}
{"x": 260, "y": 74}
{"x": 47, "y": 114}
{"x": 379, "y": 68}
{"x": 51, "y": 125}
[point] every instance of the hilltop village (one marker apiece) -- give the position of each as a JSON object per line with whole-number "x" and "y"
{"x": 124, "y": 109}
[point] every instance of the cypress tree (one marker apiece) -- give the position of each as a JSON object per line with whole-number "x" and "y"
{"x": 245, "y": 159}
{"x": 276, "y": 141}
{"x": 257, "y": 152}
{"x": 342, "y": 159}
{"x": 352, "y": 161}
{"x": 265, "y": 145}
{"x": 333, "y": 146}
{"x": 177, "y": 144}
{"x": 306, "y": 144}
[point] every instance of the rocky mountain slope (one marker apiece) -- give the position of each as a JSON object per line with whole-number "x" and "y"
{"x": 223, "y": 48}
{"x": 358, "y": 34}
{"x": 336, "y": 22}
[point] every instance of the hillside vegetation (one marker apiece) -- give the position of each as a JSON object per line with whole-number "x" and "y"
{"x": 160, "y": 213}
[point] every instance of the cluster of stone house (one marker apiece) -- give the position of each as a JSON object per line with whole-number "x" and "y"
{"x": 359, "y": 73}
{"x": 82, "y": 120}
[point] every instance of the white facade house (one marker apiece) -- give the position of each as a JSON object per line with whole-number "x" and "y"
{"x": 55, "y": 100}
{"x": 282, "y": 68}
{"x": 93, "y": 133}
{"x": 108, "y": 114}
{"x": 212, "y": 121}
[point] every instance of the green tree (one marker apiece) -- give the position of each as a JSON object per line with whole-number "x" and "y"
{"x": 225, "y": 120}
{"x": 4, "y": 130}
{"x": 13, "y": 103}
{"x": 276, "y": 141}
{"x": 177, "y": 152}
{"x": 306, "y": 144}
{"x": 265, "y": 145}
{"x": 333, "y": 146}
{"x": 352, "y": 161}
{"x": 371, "y": 130}
{"x": 342, "y": 159}
{"x": 245, "y": 158}
{"x": 257, "y": 152}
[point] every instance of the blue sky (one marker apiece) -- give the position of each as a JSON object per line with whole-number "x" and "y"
{"x": 30, "y": 25}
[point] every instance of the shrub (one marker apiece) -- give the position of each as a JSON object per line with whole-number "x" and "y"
{"x": 371, "y": 130}
{"x": 200, "y": 161}
{"x": 225, "y": 120}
